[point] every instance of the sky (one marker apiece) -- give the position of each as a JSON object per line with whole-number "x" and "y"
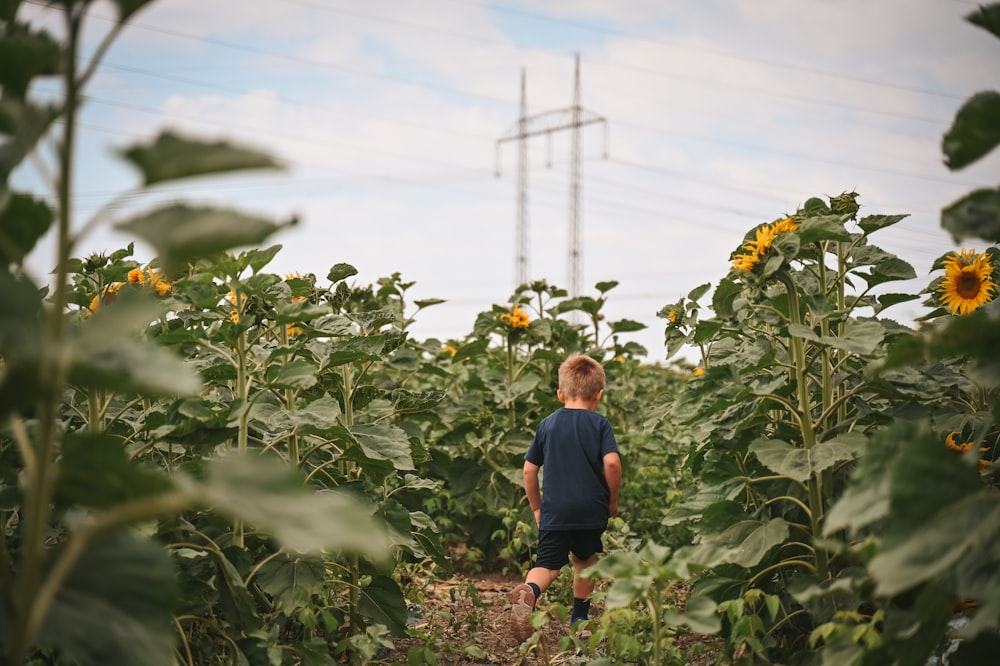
{"x": 720, "y": 115}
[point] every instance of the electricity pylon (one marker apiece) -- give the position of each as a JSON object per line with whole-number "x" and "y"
{"x": 547, "y": 123}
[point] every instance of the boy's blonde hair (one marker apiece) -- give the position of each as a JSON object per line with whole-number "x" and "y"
{"x": 581, "y": 377}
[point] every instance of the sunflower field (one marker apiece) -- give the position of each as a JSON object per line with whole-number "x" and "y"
{"x": 204, "y": 462}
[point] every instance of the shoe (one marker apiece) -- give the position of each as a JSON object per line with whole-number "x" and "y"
{"x": 522, "y": 603}
{"x": 581, "y": 628}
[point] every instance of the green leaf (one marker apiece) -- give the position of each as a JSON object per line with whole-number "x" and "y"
{"x": 96, "y": 472}
{"x": 172, "y": 157}
{"x": 127, "y": 8}
{"x": 888, "y": 300}
{"x": 182, "y": 234}
{"x": 107, "y": 352}
{"x": 826, "y": 227}
{"x": 23, "y": 222}
{"x": 860, "y": 337}
{"x": 745, "y": 544}
{"x": 235, "y": 599}
{"x": 384, "y": 441}
{"x": 626, "y": 326}
{"x": 958, "y": 540}
{"x": 341, "y": 272}
{"x": 409, "y": 401}
{"x": 783, "y": 458}
{"x": 872, "y": 223}
{"x": 605, "y": 287}
{"x": 699, "y": 291}
{"x": 841, "y": 448}
{"x": 976, "y": 215}
{"x": 701, "y": 615}
{"x": 382, "y": 601}
{"x": 296, "y": 374}
{"x": 115, "y": 606}
{"x": 26, "y": 54}
{"x": 267, "y": 494}
{"x": 291, "y": 581}
{"x": 724, "y": 296}
{"x": 986, "y": 17}
{"x": 974, "y": 132}
{"x": 25, "y": 124}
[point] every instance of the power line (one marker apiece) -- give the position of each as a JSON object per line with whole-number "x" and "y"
{"x": 719, "y": 52}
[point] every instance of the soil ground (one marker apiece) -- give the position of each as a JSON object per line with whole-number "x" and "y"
{"x": 463, "y": 621}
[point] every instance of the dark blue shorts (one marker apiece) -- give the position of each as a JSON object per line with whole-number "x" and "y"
{"x": 554, "y": 546}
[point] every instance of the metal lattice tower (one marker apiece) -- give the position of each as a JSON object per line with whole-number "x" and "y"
{"x": 547, "y": 123}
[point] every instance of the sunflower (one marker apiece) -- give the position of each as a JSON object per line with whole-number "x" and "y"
{"x": 961, "y": 447}
{"x": 755, "y": 249}
{"x": 967, "y": 282}
{"x": 136, "y": 276}
{"x": 516, "y": 318}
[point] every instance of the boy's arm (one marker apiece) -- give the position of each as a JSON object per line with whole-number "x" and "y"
{"x": 613, "y": 475}
{"x": 533, "y": 490}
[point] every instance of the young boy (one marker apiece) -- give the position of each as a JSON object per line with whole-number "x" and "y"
{"x": 582, "y": 476}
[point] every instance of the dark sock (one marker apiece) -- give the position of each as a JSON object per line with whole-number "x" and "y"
{"x": 537, "y": 590}
{"x": 581, "y": 609}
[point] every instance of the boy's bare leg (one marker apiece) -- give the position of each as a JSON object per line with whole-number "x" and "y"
{"x": 582, "y": 587}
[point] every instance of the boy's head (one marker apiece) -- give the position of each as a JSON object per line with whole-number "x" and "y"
{"x": 581, "y": 378}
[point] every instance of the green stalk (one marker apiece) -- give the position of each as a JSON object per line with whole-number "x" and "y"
{"x": 243, "y": 393}
{"x": 355, "y": 560}
{"x": 53, "y": 374}
{"x": 807, "y": 427}
{"x": 293, "y": 441}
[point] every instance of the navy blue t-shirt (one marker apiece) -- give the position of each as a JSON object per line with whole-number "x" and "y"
{"x": 571, "y": 445}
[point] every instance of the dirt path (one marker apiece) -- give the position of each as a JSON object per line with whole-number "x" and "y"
{"x": 463, "y": 622}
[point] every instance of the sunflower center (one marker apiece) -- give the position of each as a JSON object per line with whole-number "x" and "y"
{"x": 968, "y": 285}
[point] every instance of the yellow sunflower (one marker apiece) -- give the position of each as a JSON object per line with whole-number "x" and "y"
{"x": 961, "y": 447}
{"x": 967, "y": 282}
{"x": 755, "y": 249}
{"x": 516, "y": 318}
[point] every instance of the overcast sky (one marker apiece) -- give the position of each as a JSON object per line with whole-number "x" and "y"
{"x": 721, "y": 114}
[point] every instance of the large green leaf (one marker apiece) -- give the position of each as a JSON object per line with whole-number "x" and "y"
{"x": 973, "y": 336}
{"x": 382, "y": 601}
{"x": 744, "y": 543}
{"x": 114, "y": 607}
{"x": 23, "y": 222}
{"x": 783, "y": 458}
{"x": 296, "y": 374}
{"x": 25, "y": 123}
{"x": 986, "y": 17}
{"x": 172, "y": 157}
{"x": 974, "y": 132}
{"x": 701, "y": 615}
{"x": 827, "y": 227}
{"x": 182, "y": 234}
{"x": 107, "y": 352}
{"x": 872, "y": 223}
{"x": 234, "y": 598}
{"x": 960, "y": 543}
{"x": 384, "y": 441}
{"x": 95, "y": 471}
{"x": 26, "y": 54}
{"x": 272, "y": 497}
{"x": 976, "y": 215}
{"x": 292, "y": 580}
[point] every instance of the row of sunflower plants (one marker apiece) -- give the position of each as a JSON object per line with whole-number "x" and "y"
{"x": 820, "y": 426}
{"x": 199, "y": 461}
{"x": 845, "y": 501}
